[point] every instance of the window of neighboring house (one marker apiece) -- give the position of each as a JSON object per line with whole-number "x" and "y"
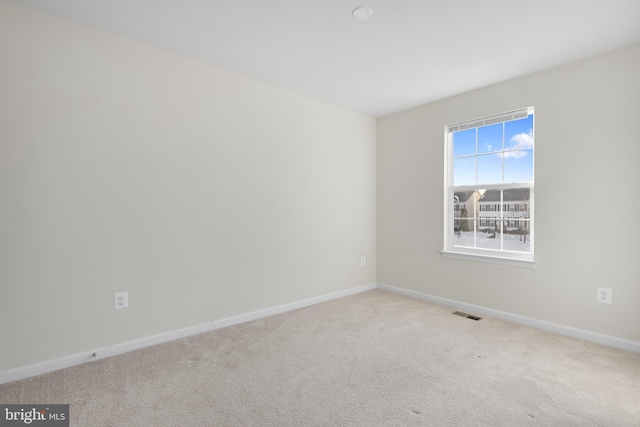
{"x": 490, "y": 162}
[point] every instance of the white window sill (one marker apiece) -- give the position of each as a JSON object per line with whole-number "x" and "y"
{"x": 515, "y": 262}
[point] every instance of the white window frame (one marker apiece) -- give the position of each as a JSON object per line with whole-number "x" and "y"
{"x": 519, "y": 259}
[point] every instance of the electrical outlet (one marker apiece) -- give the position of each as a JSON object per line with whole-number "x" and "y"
{"x": 363, "y": 261}
{"x": 604, "y": 295}
{"x": 121, "y": 300}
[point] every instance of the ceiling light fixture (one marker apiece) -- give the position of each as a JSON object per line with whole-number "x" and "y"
{"x": 362, "y": 13}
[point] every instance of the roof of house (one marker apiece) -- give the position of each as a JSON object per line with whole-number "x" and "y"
{"x": 462, "y": 196}
{"x": 513, "y": 195}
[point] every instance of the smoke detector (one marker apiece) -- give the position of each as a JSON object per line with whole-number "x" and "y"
{"x": 362, "y": 13}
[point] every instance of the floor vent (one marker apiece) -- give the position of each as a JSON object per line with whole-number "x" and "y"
{"x": 468, "y": 316}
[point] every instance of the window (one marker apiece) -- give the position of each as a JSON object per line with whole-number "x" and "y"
{"x": 490, "y": 165}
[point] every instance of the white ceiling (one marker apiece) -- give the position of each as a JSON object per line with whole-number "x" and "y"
{"x": 409, "y": 53}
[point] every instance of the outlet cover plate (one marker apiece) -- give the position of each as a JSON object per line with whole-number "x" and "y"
{"x": 121, "y": 300}
{"x": 604, "y": 295}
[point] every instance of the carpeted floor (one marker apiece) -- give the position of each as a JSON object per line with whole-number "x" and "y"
{"x": 372, "y": 359}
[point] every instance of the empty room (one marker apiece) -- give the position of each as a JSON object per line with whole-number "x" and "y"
{"x": 319, "y": 213}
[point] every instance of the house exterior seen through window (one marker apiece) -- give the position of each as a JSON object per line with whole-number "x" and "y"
{"x": 490, "y": 188}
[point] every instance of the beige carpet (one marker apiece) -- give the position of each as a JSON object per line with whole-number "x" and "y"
{"x": 372, "y": 359}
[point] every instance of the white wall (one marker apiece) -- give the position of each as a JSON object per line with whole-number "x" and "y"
{"x": 202, "y": 193}
{"x": 587, "y": 152}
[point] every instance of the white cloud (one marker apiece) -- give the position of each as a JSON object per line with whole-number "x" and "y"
{"x": 520, "y": 141}
{"x": 514, "y": 154}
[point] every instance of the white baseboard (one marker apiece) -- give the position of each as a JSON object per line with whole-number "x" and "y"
{"x": 77, "y": 359}
{"x": 607, "y": 340}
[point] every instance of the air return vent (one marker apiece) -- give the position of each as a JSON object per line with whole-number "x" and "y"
{"x": 468, "y": 316}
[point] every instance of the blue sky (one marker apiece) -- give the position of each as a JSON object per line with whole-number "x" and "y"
{"x": 490, "y": 152}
